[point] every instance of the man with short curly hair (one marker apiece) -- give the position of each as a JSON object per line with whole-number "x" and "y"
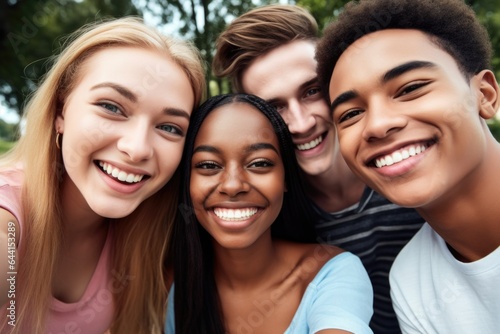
{"x": 410, "y": 88}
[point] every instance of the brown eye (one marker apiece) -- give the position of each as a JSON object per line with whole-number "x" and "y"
{"x": 206, "y": 165}
{"x": 350, "y": 114}
{"x": 261, "y": 164}
{"x": 411, "y": 87}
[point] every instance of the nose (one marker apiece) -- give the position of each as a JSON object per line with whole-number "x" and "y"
{"x": 381, "y": 121}
{"x": 233, "y": 181}
{"x": 298, "y": 118}
{"x": 136, "y": 142}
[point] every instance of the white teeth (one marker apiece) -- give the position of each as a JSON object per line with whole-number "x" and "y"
{"x": 310, "y": 145}
{"x": 119, "y": 174}
{"x": 399, "y": 155}
{"x": 235, "y": 214}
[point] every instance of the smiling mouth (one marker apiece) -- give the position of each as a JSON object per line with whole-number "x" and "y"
{"x": 401, "y": 155}
{"x": 235, "y": 214}
{"x": 310, "y": 145}
{"x": 120, "y": 175}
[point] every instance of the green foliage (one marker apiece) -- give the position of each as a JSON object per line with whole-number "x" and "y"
{"x": 494, "y": 126}
{"x": 323, "y": 11}
{"x": 31, "y": 31}
{"x": 8, "y": 132}
{"x": 5, "y": 146}
{"x": 488, "y": 12}
{"x": 202, "y": 21}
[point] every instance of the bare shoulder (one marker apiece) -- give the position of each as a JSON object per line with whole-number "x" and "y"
{"x": 307, "y": 257}
{"x": 9, "y": 226}
{"x": 322, "y": 252}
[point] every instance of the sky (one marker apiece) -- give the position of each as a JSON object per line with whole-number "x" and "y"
{"x": 6, "y": 114}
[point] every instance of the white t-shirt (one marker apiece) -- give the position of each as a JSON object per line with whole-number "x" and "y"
{"x": 432, "y": 292}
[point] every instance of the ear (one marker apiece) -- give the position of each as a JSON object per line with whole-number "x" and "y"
{"x": 489, "y": 101}
{"x": 59, "y": 122}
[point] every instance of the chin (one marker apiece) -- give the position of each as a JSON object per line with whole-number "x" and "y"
{"x": 114, "y": 211}
{"x": 407, "y": 199}
{"x": 314, "y": 168}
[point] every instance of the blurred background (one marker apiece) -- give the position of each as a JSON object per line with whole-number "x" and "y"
{"x": 31, "y": 31}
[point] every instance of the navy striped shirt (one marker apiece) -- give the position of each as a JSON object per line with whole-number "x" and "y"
{"x": 375, "y": 230}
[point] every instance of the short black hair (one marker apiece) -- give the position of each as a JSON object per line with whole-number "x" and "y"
{"x": 451, "y": 24}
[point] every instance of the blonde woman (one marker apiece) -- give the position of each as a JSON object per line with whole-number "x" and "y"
{"x": 88, "y": 194}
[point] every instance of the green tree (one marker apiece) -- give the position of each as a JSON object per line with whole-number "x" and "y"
{"x": 487, "y": 11}
{"x": 201, "y": 21}
{"x": 7, "y": 131}
{"x": 31, "y": 31}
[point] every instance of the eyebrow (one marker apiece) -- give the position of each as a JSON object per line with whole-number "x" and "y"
{"x": 406, "y": 67}
{"x": 128, "y": 94}
{"x": 344, "y": 97}
{"x": 177, "y": 112}
{"x": 251, "y": 148}
{"x": 388, "y": 76}
{"x": 205, "y": 148}
{"x": 261, "y": 146}
{"x": 125, "y": 92}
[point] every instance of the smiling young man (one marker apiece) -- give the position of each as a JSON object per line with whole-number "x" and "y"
{"x": 411, "y": 124}
{"x": 269, "y": 52}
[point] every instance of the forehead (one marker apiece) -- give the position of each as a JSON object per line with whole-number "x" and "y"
{"x": 285, "y": 67}
{"x": 147, "y": 73}
{"x": 380, "y": 51}
{"x": 236, "y": 123}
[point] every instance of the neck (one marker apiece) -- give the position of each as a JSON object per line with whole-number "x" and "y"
{"x": 467, "y": 218}
{"x": 77, "y": 216}
{"x": 246, "y": 268}
{"x": 335, "y": 189}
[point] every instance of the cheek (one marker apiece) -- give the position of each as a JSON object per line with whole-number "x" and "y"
{"x": 348, "y": 141}
{"x": 170, "y": 158}
{"x": 277, "y": 187}
{"x": 200, "y": 188}
{"x": 321, "y": 109}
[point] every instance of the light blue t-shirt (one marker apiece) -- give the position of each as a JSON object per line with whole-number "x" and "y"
{"x": 340, "y": 296}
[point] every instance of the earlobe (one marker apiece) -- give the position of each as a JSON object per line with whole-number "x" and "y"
{"x": 488, "y": 94}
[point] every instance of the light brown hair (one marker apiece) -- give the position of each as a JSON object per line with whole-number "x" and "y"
{"x": 256, "y": 33}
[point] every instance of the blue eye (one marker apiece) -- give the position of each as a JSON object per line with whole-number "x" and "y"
{"x": 110, "y": 107}
{"x": 171, "y": 129}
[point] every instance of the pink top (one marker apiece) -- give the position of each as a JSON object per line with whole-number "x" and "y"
{"x": 94, "y": 312}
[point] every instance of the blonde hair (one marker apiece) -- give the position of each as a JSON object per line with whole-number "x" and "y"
{"x": 256, "y": 33}
{"x": 140, "y": 304}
